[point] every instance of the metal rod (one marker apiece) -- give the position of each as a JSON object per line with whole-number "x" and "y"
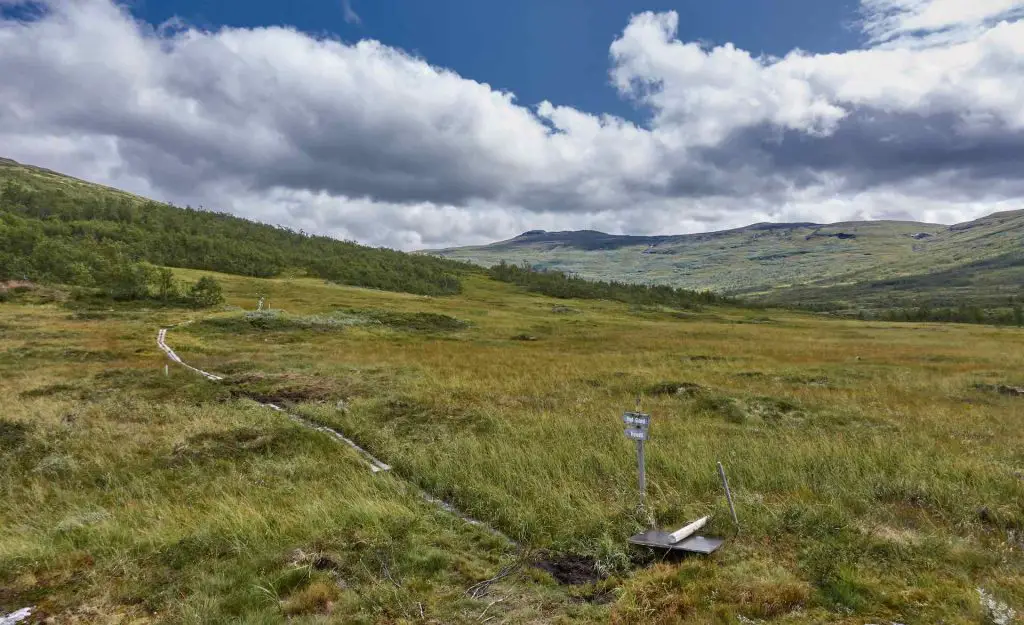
{"x": 641, "y": 464}
{"x": 728, "y": 495}
{"x": 641, "y": 471}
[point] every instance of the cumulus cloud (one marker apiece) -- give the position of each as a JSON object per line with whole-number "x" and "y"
{"x": 367, "y": 142}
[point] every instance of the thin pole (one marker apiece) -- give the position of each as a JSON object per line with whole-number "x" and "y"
{"x": 641, "y": 465}
{"x": 641, "y": 471}
{"x": 728, "y": 495}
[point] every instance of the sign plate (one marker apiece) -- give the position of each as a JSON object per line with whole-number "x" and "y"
{"x": 637, "y": 419}
{"x": 636, "y": 434}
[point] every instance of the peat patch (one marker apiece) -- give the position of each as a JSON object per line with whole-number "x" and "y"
{"x": 570, "y": 569}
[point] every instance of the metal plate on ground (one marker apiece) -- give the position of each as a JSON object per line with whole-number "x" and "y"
{"x": 658, "y": 539}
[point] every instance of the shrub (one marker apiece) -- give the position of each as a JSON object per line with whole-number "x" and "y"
{"x": 166, "y": 287}
{"x": 205, "y": 293}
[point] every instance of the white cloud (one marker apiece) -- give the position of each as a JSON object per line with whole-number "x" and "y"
{"x": 365, "y": 141}
{"x": 933, "y": 21}
{"x": 706, "y": 94}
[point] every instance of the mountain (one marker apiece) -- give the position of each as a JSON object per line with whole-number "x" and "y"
{"x": 55, "y": 228}
{"x": 853, "y": 265}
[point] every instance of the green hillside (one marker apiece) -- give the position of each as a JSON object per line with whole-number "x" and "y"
{"x": 867, "y": 265}
{"x": 60, "y": 229}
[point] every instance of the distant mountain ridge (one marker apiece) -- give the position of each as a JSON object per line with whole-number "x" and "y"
{"x": 869, "y": 264}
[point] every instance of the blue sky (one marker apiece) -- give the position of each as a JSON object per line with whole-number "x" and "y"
{"x": 553, "y": 50}
{"x": 636, "y": 116}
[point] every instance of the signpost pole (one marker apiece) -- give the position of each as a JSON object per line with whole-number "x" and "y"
{"x": 641, "y": 471}
{"x": 641, "y": 464}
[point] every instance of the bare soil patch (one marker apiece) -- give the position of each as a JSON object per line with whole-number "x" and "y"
{"x": 570, "y": 569}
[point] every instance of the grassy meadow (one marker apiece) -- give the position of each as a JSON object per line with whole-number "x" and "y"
{"x": 878, "y": 471}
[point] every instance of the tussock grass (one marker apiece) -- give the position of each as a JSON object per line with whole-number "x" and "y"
{"x": 874, "y": 481}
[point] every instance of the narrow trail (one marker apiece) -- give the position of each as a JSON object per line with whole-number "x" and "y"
{"x": 161, "y": 341}
{"x": 375, "y": 465}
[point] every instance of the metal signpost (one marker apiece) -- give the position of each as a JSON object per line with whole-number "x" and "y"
{"x": 637, "y": 427}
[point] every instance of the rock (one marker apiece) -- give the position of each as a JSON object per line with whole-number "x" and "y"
{"x": 524, "y": 337}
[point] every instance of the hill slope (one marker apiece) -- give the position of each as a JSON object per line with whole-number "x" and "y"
{"x": 872, "y": 264}
{"x": 54, "y": 227}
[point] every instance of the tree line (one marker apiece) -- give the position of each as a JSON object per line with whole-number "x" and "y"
{"x": 562, "y": 285}
{"x": 964, "y": 313}
{"x": 91, "y": 237}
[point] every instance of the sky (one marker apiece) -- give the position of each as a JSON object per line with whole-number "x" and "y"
{"x": 414, "y": 124}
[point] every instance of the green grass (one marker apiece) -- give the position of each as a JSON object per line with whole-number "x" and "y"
{"x": 874, "y": 480}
